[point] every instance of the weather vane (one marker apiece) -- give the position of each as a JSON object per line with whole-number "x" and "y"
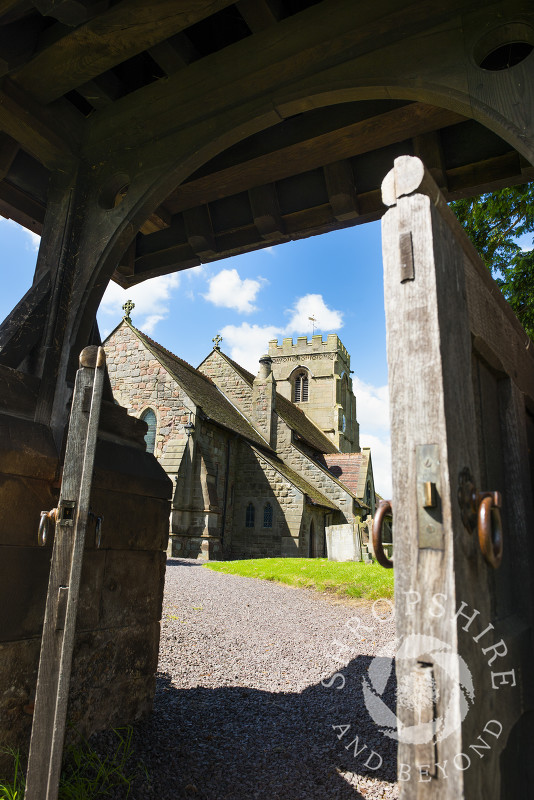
{"x": 313, "y": 321}
{"x": 128, "y": 307}
{"x": 217, "y": 342}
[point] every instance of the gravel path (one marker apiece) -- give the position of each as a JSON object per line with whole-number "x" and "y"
{"x": 240, "y": 711}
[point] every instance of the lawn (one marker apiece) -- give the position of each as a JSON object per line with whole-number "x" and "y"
{"x": 348, "y": 578}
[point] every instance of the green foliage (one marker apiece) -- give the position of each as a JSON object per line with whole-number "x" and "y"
{"x": 493, "y": 222}
{"x": 349, "y": 578}
{"x": 85, "y": 775}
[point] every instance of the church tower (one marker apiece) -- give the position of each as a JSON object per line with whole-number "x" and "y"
{"x": 316, "y": 376}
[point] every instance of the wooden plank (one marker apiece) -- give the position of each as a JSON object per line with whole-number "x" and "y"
{"x": 48, "y": 729}
{"x": 123, "y": 31}
{"x": 102, "y": 91}
{"x": 168, "y": 57}
{"x": 430, "y": 328}
{"x": 24, "y": 326}
{"x": 297, "y": 48}
{"x": 259, "y": 14}
{"x": 341, "y": 190}
{"x": 356, "y": 139}
{"x": 266, "y": 212}
{"x": 8, "y": 150}
{"x": 158, "y": 221}
{"x": 68, "y": 12}
{"x": 31, "y": 210}
{"x": 8, "y": 6}
{"x": 38, "y": 131}
{"x": 427, "y": 147}
{"x": 200, "y": 232}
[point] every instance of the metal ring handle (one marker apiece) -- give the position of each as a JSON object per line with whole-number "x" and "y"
{"x": 383, "y": 507}
{"x": 43, "y": 529}
{"x": 490, "y": 531}
{"x": 46, "y": 517}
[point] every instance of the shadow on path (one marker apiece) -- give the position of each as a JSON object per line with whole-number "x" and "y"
{"x": 238, "y": 743}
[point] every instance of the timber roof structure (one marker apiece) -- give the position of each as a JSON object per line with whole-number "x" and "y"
{"x": 87, "y": 83}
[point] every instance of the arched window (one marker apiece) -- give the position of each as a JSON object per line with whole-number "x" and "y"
{"x": 149, "y": 417}
{"x": 249, "y": 517}
{"x": 268, "y": 516}
{"x": 301, "y": 387}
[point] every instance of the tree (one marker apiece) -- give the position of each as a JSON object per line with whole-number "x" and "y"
{"x": 493, "y": 222}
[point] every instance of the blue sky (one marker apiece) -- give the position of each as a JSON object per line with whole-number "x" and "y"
{"x": 336, "y": 278}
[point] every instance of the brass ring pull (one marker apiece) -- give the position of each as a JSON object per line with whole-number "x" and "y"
{"x": 490, "y": 529}
{"x": 383, "y": 507}
{"x": 46, "y": 517}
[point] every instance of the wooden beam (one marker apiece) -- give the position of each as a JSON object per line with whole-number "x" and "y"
{"x": 121, "y": 32}
{"x": 168, "y": 57}
{"x": 427, "y": 147}
{"x": 69, "y": 12}
{"x": 356, "y": 139}
{"x": 266, "y": 212}
{"x": 102, "y": 91}
{"x": 488, "y": 175}
{"x": 157, "y": 221}
{"x": 8, "y": 150}
{"x": 310, "y": 52}
{"x": 341, "y": 190}
{"x": 259, "y": 14}
{"x": 8, "y": 7}
{"x": 38, "y": 130}
{"x": 24, "y": 326}
{"x": 21, "y": 207}
{"x": 200, "y": 232}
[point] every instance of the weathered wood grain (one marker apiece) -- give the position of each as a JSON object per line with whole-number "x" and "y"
{"x": 95, "y": 47}
{"x": 48, "y": 730}
{"x": 24, "y": 326}
{"x": 442, "y": 394}
{"x": 352, "y": 140}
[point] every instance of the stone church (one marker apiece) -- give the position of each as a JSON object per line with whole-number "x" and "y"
{"x": 262, "y": 465}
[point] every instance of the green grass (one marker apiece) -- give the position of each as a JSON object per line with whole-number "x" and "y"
{"x": 347, "y": 578}
{"x": 85, "y": 775}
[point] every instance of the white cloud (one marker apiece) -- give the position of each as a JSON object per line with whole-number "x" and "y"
{"x": 151, "y": 298}
{"x": 372, "y": 411}
{"x": 313, "y": 305}
{"x": 381, "y": 459}
{"x": 228, "y": 290}
{"x": 247, "y": 343}
{"x": 34, "y": 240}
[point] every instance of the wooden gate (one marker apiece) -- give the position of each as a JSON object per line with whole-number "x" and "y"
{"x": 461, "y": 374}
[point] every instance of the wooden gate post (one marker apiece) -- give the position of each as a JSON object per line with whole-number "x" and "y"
{"x": 460, "y": 367}
{"x": 48, "y": 730}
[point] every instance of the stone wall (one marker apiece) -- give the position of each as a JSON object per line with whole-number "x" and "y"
{"x": 231, "y": 384}
{"x": 331, "y": 403}
{"x": 259, "y": 484}
{"x": 314, "y": 474}
{"x": 117, "y": 638}
{"x": 196, "y": 464}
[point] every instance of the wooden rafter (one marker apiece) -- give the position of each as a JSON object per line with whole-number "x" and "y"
{"x": 42, "y": 133}
{"x": 121, "y": 32}
{"x": 360, "y": 137}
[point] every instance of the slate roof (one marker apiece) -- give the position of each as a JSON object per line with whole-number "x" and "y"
{"x": 292, "y": 415}
{"x": 313, "y": 494}
{"x": 350, "y": 469}
{"x": 202, "y": 390}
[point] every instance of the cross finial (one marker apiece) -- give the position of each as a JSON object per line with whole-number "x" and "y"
{"x": 217, "y": 342}
{"x": 127, "y": 308}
